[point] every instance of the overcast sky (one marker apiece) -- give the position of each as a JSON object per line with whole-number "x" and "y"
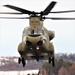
{"x": 11, "y": 30}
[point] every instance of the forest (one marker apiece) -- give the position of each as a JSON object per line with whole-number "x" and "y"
{"x": 64, "y": 65}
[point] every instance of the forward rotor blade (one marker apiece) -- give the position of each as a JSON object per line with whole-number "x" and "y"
{"x": 63, "y": 11}
{"x": 20, "y": 9}
{"x": 14, "y": 17}
{"x": 10, "y": 13}
{"x": 49, "y": 8}
{"x": 57, "y": 18}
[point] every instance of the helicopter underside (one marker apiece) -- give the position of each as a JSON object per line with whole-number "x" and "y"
{"x": 29, "y": 52}
{"x": 35, "y": 53}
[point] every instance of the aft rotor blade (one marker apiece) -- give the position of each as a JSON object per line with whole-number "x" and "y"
{"x": 68, "y": 11}
{"x": 58, "y": 18}
{"x": 19, "y": 9}
{"x": 14, "y": 17}
{"x": 10, "y": 13}
{"x": 49, "y": 8}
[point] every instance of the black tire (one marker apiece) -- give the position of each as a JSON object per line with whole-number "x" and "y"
{"x": 53, "y": 62}
{"x": 37, "y": 59}
{"x": 23, "y": 62}
{"x": 49, "y": 60}
{"x": 19, "y": 60}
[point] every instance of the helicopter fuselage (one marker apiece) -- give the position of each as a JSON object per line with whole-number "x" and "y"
{"x": 36, "y": 43}
{"x": 36, "y": 39}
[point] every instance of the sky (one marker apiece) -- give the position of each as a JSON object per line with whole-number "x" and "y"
{"x": 11, "y": 30}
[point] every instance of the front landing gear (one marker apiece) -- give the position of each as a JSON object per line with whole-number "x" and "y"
{"x": 22, "y": 60}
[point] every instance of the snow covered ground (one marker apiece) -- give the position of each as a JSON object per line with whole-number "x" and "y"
{"x": 19, "y": 72}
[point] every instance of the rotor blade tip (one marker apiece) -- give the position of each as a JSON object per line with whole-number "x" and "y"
{"x": 54, "y": 2}
{"x": 5, "y": 5}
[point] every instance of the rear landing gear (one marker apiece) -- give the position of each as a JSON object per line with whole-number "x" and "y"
{"x": 51, "y": 60}
{"x": 22, "y": 60}
{"x": 19, "y": 60}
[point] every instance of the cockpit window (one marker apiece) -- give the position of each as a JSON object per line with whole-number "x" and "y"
{"x": 40, "y": 31}
{"x": 29, "y": 31}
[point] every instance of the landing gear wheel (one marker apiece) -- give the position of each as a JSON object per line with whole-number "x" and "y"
{"x": 53, "y": 63}
{"x": 49, "y": 60}
{"x": 23, "y": 62}
{"x": 37, "y": 59}
{"x": 19, "y": 60}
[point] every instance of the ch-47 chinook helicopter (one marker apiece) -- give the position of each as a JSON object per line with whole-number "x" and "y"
{"x": 36, "y": 39}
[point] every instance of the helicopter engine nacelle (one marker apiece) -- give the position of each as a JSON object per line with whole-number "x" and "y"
{"x": 51, "y": 34}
